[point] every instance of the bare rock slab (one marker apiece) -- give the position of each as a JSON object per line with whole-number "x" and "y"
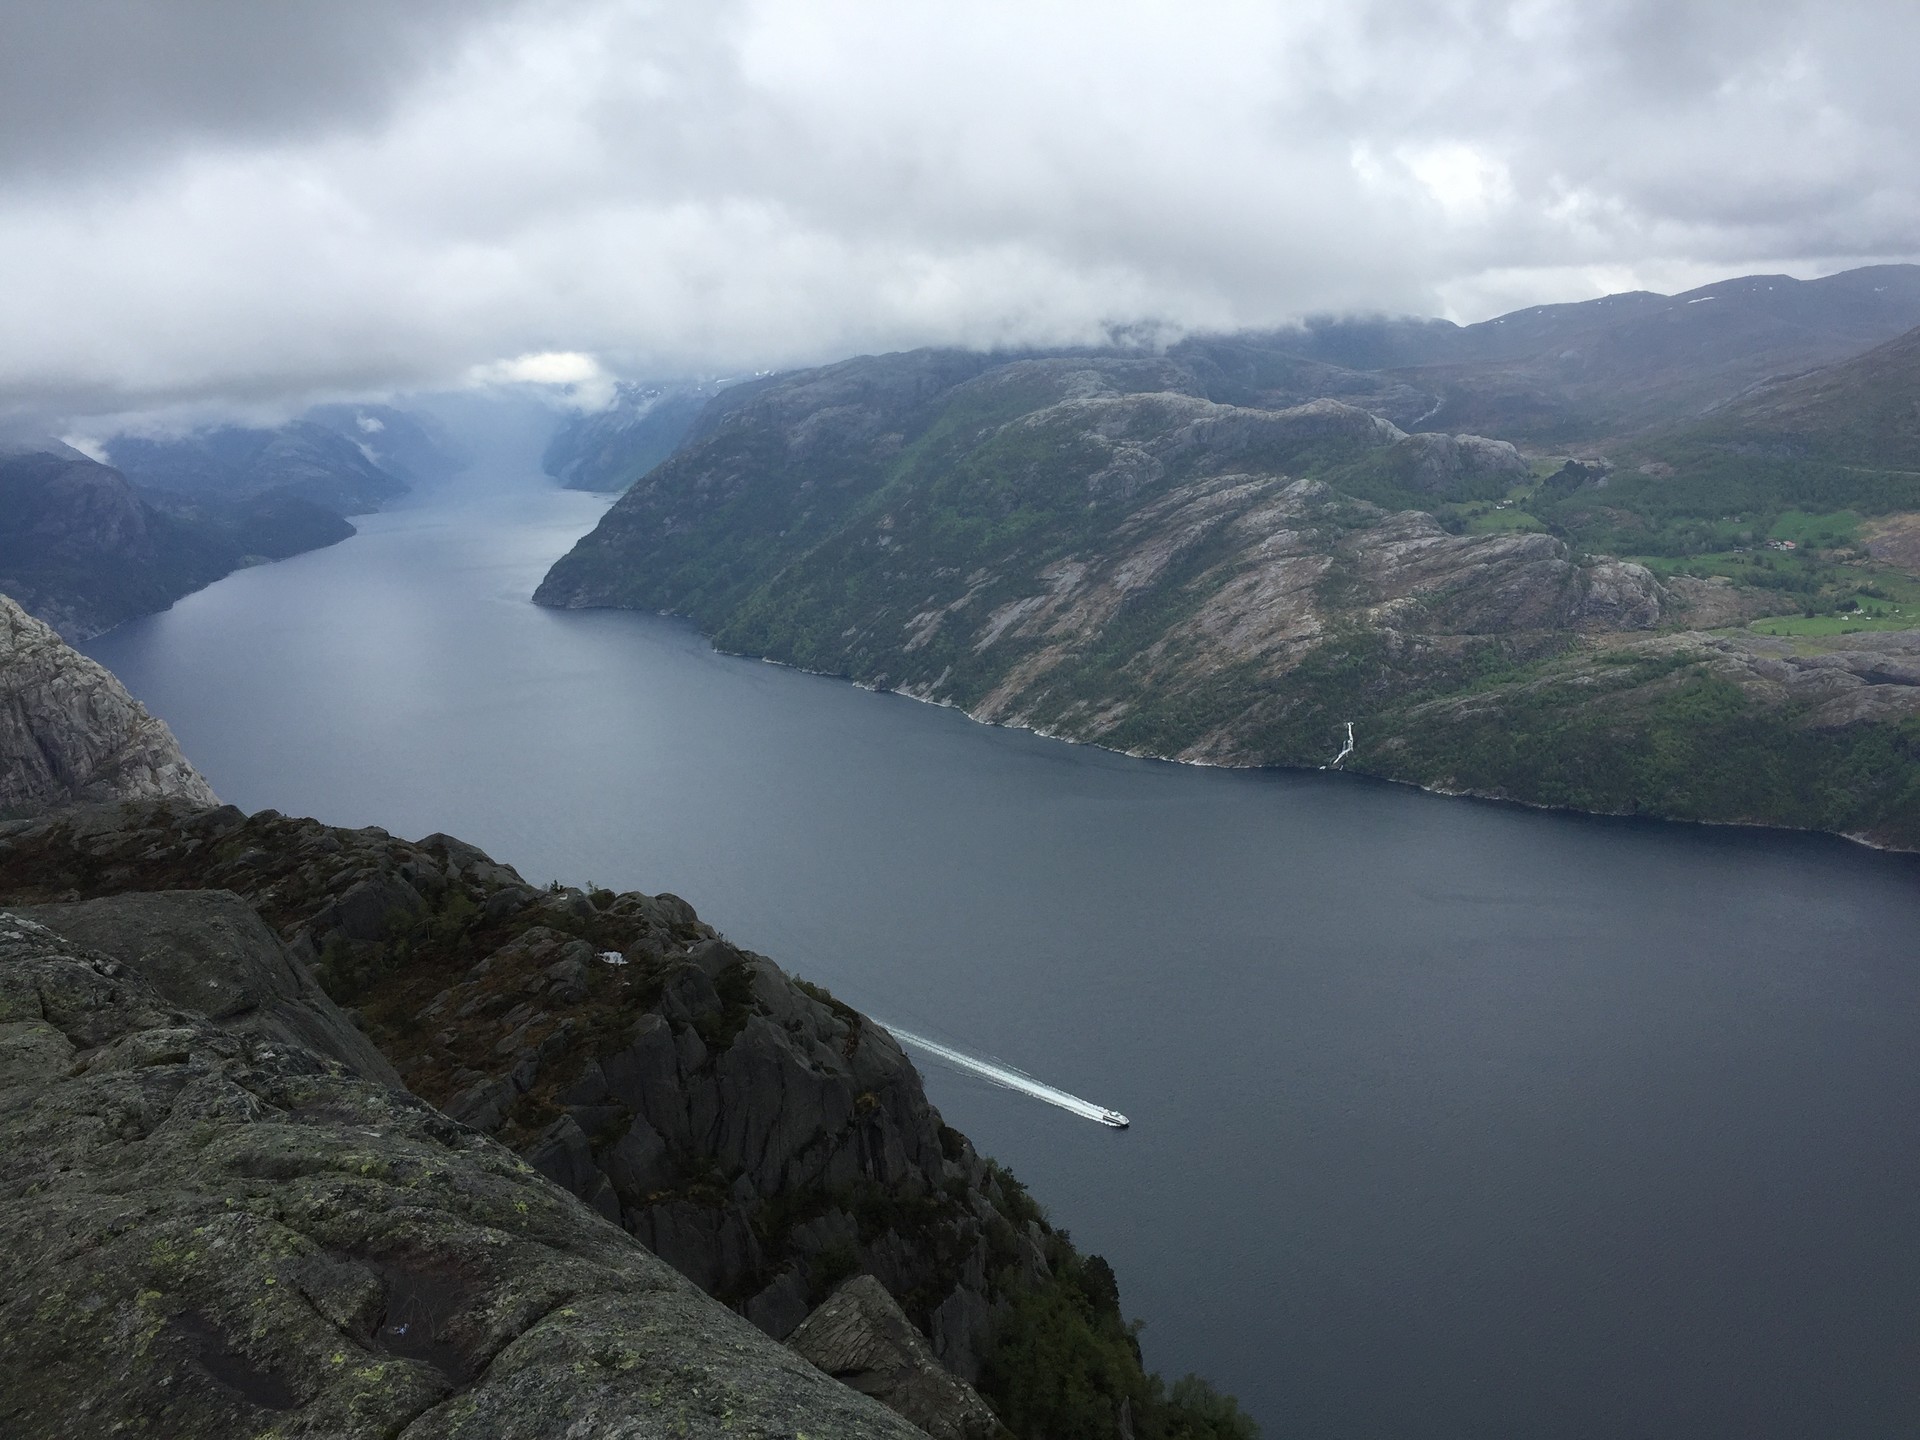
{"x": 861, "y": 1337}
{"x": 208, "y": 1233}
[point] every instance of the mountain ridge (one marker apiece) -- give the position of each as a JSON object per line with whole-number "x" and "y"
{"x": 84, "y": 549}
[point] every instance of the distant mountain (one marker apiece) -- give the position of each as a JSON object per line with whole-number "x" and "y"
{"x": 1841, "y": 441}
{"x": 408, "y": 446}
{"x": 83, "y": 549}
{"x": 1581, "y": 374}
{"x": 1258, "y": 371}
{"x": 1564, "y": 374}
{"x": 609, "y": 450}
{"x": 311, "y": 461}
{"x": 1863, "y": 411}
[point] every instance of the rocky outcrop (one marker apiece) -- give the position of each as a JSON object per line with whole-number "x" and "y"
{"x": 216, "y": 1234}
{"x": 1845, "y": 681}
{"x": 1829, "y": 684}
{"x": 1620, "y": 595}
{"x": 1894, "y": 540}
{"x": 1451, "y": 465}
{"x": 860, "y": 1337}
{"x": 70, "y": 733}
{"x": 209, "y": 950}
{"x": 765, "y": 1140}
{"x": 758, "y": 1135}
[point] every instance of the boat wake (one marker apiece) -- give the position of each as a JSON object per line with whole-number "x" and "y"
{"x": 1008, "y": 1078}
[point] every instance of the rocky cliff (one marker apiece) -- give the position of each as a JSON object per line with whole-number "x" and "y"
{"x": 209, "y": 951}
{"x": 761, "y": 1137}
{"x": 215, "y": 1233}
{"x": 757, "y": 1135}
{"x": 70, "y": 733}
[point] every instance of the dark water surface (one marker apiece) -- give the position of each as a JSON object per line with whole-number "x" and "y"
{"x": 1450, "y": 1119}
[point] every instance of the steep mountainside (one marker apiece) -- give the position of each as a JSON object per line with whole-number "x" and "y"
{"x": 83, "y": 549}
{"x": 1086, "y": 546}
{"x": 70, "y": 733}
{"x": 1864, "y": 411}
{"x": 211, "y": 1233}
{"x": 304, "y": 459}
{"x": 408, "y": 446}
{"x": 609, "y": 450}
{"x": 760, "y": 1136}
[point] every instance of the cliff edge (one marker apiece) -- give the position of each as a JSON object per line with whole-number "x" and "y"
{"x": 70, "y": 734}
{"x": 210, "y": 1233}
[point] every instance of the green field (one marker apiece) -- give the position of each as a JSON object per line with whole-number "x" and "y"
{"x": 1488, "y": 520}
{"x": 1826, "y": 532}
{"x": 1836, "y": 624}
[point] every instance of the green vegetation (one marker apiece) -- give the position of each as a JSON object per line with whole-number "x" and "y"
{"x": 1065, "y": 1365}
{"x": 1484, "y": 519}
{"x": 1837, "y": 624}
{"x": 1146, "y": 575}
{"x": 1633, "y": 734}
{"x": 1822, "y": 532}
{"x": 1385, "y": 477}
{"x": 1703, "y": 501}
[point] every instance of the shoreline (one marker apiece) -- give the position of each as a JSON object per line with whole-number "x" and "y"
{"x": 1864, "y": 841}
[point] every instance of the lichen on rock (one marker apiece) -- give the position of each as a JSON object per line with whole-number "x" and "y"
{"x": 214, "y": 1234}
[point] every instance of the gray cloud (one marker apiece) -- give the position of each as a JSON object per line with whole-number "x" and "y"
{"x": 235, "y": 203}
{"x": 87, "y": 82}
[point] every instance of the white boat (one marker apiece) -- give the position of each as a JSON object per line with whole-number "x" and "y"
{"x": 1115, "y": 1119}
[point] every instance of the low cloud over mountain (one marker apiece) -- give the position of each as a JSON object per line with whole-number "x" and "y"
{"x": 245, "y": 205}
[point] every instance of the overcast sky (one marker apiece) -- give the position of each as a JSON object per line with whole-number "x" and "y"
{"x": 219, "y": 202}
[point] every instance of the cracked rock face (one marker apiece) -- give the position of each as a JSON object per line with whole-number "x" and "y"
{"x": 208, "y": 950}
{"x": 215, "y": 1234}
{"x": 70, "y": 734}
